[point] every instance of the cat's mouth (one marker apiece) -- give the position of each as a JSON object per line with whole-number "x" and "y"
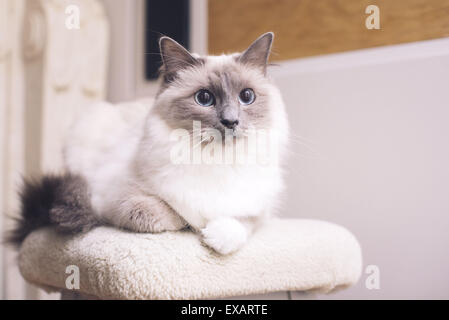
{"x": 235, "y": 133}
{"x": 216, "y": 133}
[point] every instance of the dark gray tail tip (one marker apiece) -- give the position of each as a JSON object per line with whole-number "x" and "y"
{"x": 58, "y": 200}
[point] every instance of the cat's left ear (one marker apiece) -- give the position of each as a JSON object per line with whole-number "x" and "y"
{"x": 258, "y": 52}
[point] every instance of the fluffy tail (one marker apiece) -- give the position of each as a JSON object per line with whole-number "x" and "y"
{"x": 59, "y": 200}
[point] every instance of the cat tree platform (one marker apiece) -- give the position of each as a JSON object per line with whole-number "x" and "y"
{"x": 283, "y": 255}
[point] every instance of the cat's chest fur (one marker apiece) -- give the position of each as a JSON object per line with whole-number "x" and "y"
{"x": 203, "y": 192}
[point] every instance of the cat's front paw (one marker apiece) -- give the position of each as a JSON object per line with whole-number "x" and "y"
{"x": 225, "y": 235}
{"x": 147, "y": 214}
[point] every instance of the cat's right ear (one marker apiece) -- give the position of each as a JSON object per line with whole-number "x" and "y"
{"x": 258, "y": 52}
{"x": 174, "y": 58}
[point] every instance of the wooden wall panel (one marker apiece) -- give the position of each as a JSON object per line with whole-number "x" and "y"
{"x": 314, "y": 27}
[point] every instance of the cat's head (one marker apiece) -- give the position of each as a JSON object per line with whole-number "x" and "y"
{"x": 231, "y": 93}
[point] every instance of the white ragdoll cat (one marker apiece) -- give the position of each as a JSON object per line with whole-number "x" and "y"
{"x": 125, "y": 152}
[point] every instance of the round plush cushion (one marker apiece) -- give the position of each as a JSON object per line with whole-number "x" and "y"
{"x": 282, "y": 255}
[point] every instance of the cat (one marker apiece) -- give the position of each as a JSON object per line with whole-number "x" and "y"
{"x": 122, "y": 154}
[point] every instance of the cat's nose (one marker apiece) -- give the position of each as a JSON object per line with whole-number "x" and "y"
{"x": 230, "y": 123}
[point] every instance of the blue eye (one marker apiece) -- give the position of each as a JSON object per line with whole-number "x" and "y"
{"x": 247, "y": 96}
{"x": 204, "y": 98}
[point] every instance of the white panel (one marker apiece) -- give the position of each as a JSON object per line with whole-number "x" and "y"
{"x": 64, "y": 71}
{"x": 13, "y": 286}
{"x": 123, "y": 17}
{"x": 198, "y": 26}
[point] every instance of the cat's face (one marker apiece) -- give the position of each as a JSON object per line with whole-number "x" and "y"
{"x": 230, "y": 93}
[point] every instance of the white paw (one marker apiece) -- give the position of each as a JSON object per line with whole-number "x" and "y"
{"x": 224, "y": 235}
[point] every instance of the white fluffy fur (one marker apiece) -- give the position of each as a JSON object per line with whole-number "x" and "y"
{"x": 125, "y": 148}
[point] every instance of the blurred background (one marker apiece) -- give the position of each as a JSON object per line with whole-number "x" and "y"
{"x": 366, "y": 89}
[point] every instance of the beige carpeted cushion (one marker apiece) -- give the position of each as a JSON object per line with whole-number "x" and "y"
{"x": 296, "y": 255}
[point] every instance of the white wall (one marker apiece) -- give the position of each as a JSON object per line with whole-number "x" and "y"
{"x": 376, "y": 158}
